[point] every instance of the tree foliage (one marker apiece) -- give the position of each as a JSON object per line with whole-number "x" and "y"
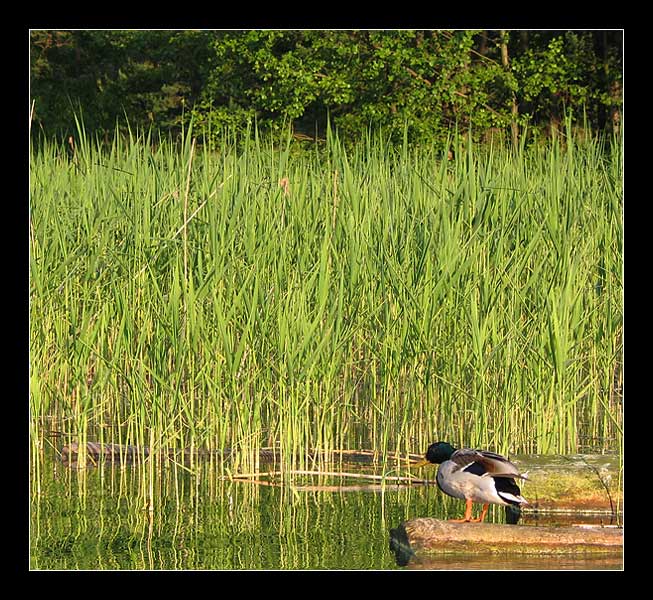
{"x": 422, "y": 81}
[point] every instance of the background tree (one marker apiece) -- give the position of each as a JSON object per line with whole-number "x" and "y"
{"x": 423, "y": 81}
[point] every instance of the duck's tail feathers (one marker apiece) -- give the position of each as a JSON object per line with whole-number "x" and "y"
{"x": 513, "y": 498}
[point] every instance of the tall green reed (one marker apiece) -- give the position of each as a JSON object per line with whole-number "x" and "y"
{"x": 253, "y": 295}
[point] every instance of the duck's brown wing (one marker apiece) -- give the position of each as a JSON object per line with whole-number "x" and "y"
{"x": 482, "y": 462}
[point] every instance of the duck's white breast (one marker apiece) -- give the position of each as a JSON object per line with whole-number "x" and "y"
{"x": 450, "y": 483}
{"x": 459, "y": 484}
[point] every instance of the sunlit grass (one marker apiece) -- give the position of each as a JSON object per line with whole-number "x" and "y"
{"x": 253, "y": 295}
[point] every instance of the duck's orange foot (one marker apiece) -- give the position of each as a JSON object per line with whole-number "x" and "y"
{"x": 468, "y": 514}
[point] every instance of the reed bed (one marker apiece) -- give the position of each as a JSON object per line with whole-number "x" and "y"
{"x": 255, "y": 294}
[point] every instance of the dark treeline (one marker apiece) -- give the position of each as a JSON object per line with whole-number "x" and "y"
{"x": 422, "y": 82}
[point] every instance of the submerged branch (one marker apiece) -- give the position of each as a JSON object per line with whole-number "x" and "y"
{"x": 368, "y": 476}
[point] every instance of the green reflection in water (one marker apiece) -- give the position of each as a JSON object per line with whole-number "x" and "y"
{"x": 144, "y": 518}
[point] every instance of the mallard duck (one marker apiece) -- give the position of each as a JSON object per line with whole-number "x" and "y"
{"x": 475, "y": 476}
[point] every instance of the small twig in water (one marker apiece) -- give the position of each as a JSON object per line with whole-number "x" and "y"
{"x": 603, "y": 483}
{"x": 410, "y": 480}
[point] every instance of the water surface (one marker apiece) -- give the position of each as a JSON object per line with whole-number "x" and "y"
{"x": 135, "y": 518}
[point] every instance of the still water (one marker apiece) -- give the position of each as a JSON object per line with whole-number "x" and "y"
{"x": 133, "y": 518}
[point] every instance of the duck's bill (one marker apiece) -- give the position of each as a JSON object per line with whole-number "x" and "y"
{"x": 420, "y": 463}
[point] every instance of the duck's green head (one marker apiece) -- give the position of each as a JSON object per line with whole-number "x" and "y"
{"x": 439, "y": 452}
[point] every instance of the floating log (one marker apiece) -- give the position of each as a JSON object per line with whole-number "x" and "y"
{"x": 432, "y": 536}
{"x": 95, "y": 452}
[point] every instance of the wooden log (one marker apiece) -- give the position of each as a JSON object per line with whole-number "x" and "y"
{"x": 429, "y": 536}
{"x": 95, "y": 452}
